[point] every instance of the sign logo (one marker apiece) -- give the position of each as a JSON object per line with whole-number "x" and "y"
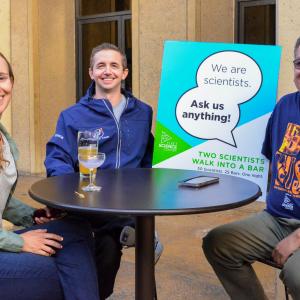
{"x": 166, "y": 142}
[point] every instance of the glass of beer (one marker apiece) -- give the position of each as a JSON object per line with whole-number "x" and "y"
{"x": 87, "y": 146}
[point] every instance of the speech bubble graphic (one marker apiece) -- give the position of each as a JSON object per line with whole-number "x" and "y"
{"x": 211, "y": 110}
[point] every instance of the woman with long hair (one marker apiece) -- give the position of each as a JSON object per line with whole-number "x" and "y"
{"x": 49, "y": 259}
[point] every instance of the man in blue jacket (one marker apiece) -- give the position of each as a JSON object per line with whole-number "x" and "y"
{"x": 127, "y": 142}
{"x": 274, "y": 233}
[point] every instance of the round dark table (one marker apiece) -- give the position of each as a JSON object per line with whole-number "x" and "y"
{"x": 144, "y": 193}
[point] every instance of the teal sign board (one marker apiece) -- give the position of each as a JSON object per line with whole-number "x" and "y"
{"x": 214, "y": 103}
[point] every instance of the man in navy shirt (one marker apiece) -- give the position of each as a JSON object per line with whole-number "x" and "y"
{"x": 275, "y": 232}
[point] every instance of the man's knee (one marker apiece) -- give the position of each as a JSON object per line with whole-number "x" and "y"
{"x": 291, "y": 277}
{"x": 214, "y": 241}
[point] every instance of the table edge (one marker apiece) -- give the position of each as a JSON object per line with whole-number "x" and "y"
{"x": 157, "y": 212}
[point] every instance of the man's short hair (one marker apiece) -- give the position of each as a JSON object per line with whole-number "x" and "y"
{"x": 108, "y": 46}
{"x": 297, "y": 45}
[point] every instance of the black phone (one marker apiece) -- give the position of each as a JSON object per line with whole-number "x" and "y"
{"x": 198, "y": 181}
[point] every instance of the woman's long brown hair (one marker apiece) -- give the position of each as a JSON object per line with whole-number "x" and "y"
{"x": 3, "y": 162}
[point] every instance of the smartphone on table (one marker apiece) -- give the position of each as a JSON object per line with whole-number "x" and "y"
{"x": 199, "y": 181}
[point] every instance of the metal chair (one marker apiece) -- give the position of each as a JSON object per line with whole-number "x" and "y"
{"x": 273, "y": 264}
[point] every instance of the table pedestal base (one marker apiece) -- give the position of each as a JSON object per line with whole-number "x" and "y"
{"x": 144, "y": 258}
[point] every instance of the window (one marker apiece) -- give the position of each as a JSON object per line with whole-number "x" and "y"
{"x": 95, "y": 7}
{"x": 256, "y": 21}
{"x": 98, "y": 22}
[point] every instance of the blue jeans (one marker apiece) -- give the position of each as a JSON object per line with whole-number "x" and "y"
{"x": 108, "y": 249}
{"x": 69, "y": 274}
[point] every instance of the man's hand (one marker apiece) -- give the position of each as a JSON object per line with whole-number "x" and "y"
{"x": 41, "y": 242}
{"x": 286, "y": 247}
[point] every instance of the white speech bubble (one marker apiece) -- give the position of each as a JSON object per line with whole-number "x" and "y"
{"x": 210, "y": 111}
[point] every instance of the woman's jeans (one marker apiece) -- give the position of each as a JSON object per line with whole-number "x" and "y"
{"x": 69, "y": 274}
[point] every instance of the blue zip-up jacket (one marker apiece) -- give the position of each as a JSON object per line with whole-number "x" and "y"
{"x": 126, "y": 144}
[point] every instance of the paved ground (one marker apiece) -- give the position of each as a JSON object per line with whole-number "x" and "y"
{"x": 182, "y": 272}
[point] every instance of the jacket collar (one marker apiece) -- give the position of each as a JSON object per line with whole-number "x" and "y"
{"x": 89, "y": 101}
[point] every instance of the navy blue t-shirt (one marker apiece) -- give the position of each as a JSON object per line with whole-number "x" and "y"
{"x": 282, "y": 147}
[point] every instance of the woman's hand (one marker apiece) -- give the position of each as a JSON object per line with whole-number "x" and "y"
{"x": 41, "y": 242}
{"x": 46, "y": 214}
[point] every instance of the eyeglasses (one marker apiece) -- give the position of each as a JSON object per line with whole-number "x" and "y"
{"x": 296, "y": 63}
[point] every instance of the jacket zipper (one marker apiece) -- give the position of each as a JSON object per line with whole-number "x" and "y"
{"x": 118, "y": 152}
{"x": 120, "y": 132}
